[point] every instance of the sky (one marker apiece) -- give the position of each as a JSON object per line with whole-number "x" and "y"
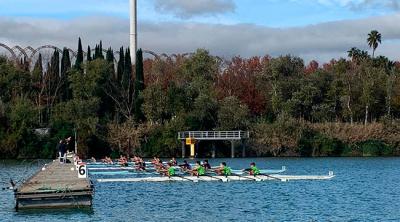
{"x": 312, "y": 29}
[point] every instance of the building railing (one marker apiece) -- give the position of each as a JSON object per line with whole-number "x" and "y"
{"x": 214, "y": 135}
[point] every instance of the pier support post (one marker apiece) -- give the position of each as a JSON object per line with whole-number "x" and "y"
{"x": 232, "y": 149}
{"x": 243, "y": 150}
{"x": 183, "y": 149}
{"x": 213, "y": 151}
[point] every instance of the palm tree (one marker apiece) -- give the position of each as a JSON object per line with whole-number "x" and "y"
{"x": 374, "y": 39}
{"x": 353, "y": 53}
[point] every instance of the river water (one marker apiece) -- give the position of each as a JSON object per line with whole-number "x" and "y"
{"x": 364, "y": 189}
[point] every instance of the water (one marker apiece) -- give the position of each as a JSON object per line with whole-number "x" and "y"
{"x": 365, "y": 189}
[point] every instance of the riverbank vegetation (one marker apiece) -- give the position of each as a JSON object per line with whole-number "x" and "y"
{"x": 346, "y": 107}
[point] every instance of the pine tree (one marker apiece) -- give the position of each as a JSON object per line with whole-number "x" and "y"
{"x": 139, "y": 87}
{"x": 89, "y": 54}
{"x": 79, "y": 56}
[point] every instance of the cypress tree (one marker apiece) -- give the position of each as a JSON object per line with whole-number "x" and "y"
{"x": 37, "y": 72}
{"x": 110, "y": 55}
{"x": 127, "y": 75}
{"x": 65, "y": 63}
{"x": 139, "y": 87}
{"x": 121, "y": 64}
{"x": 79, "y": 56}
{"x": 110, "y": 60}
{"x": 55, "y": 66}
{"x": 65, "y": 68}
{"x": 89, "y": 54}
{"x": 101, "y": 56}
{"x": 26, "y": 64}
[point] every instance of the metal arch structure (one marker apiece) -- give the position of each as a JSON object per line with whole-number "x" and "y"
{"x": 21, "y": 51}
{"x": 30, "y": 52}
{"x": 44, "y": 47}
{"x": 29, "y": 48}
{"x": 14, "y": 57}
{"x": 152, "y": 53}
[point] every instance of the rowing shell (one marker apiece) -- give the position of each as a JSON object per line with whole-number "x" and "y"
{"x": 222, "y": 178}
{"x": 132, "y": 170}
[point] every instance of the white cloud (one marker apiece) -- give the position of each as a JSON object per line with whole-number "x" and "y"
{"x": 321, "y": 42}
{"x": 363, "y": 4}
{"x": 188, "y": 8}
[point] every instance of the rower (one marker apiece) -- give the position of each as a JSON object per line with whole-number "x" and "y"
{"x": 159, "y": 166}
{"x": 173, "y": 161}
{"x": 170, "y": 170}
{"x": 198, "y": 170}
{"x": 185, "y": 166}
{"x": 223, "y": 170}
{"x": 123, "y": 161}
{"x": 140, "y": 164}
{"x": 93, "y": 160}
{"x": 253, "y": 170}
{"x": 206, "y": 165}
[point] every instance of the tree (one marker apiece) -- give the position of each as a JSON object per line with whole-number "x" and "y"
{"x": 37, "y": 73}
{"x": 89, "y": 54}
{"x": 79, "y": 56}
{"x": 139, "y": 85}
{"x": 65, "y": 68}
{"x": 121, "y": 64}
{"x": 232, "y": 114}
{"x": 374, "y": 39}
{"x": 125, "y": 137}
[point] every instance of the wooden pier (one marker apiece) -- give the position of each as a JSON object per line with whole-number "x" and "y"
{"x": 56, "y": 185}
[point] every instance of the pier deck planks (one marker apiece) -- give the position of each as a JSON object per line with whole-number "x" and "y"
{"x": 56, "y": 186}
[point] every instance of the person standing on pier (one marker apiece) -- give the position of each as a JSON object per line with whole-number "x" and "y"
{"x": 61, "y": 151}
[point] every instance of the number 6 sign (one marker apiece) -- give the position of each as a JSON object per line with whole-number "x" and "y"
{"x": 82, "y": 171}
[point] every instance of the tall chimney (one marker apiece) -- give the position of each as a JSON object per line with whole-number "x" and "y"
{"x": 133, "y": 30}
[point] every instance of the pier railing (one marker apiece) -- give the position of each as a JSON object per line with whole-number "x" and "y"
{"x": 214, "y": 135}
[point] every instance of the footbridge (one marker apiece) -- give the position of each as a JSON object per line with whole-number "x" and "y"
{"x": 193, "y": 137}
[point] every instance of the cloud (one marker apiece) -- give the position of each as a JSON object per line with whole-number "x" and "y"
{"x": 189, "y": 8}
{"x": 320, "y": 42}
{"x": 364, "y": 4}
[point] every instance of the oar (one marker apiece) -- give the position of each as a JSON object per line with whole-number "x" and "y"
{"x": 276, "y": 178}
{"x": 185, "y": 178}
{"x": 221, "y": 179}
{"x": 249, "y": 177}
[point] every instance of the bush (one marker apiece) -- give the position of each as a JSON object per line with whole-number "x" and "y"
{"x": 375, "y": 148}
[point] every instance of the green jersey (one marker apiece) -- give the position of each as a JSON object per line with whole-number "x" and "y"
{"x": 171, "y": 171}
{"x": 226, "y": 171}
{"x": 255, "y": 170}
{"x": 201, "y": 170}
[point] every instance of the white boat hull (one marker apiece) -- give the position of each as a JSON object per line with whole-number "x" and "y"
{"x": 221, "y": 178}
